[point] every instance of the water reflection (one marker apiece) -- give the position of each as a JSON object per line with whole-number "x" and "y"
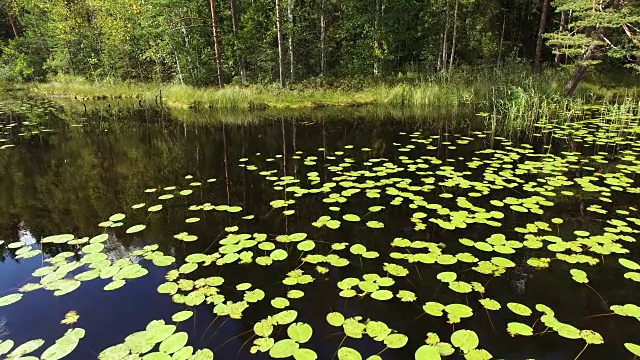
{"x": 70, "y": 180}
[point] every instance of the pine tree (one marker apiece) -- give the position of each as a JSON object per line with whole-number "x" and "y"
{"x": 598, "y": 29}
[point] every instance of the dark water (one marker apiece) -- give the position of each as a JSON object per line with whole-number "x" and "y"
{"x": 71, "y": 179}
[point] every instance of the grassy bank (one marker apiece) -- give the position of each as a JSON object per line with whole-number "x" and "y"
{"x": 230, "y": 97}
{"x": 508, "y": 97}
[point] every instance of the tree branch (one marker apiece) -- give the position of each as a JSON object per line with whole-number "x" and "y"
{"x": 630, "y": 35}
{"x": 608, "y": 42}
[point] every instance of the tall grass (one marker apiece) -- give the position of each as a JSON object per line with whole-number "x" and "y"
{"x": 509, "y": 97}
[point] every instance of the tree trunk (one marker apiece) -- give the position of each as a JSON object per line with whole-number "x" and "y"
{"x": 376, "y": 21}
{"x": 580, "y": 71}
{"x": 445, "y": 51}
{"x": 15, "y": 27}
{"x": 175, "y": 53}
{"x": 453, "y": 40}
{"x": 291, "y": 5}
{"x": 439, "y": 57}
{"x": 563, "y": 25}
{"x": 504, "y": 21}
{"x": 234, "y": 28}
{"x": 323, "y": 57}
{"x": 280, "y": 50}
{"x": 216, "y": 42}
{"x": 540, "y": 42}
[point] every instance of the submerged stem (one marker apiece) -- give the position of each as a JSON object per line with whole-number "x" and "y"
{"x": 580, "y": 353}
{"x": 339, "y": 346}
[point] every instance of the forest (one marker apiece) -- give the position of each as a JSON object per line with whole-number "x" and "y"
{"x": 309, "y": 44}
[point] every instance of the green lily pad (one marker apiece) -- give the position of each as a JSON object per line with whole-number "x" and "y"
{"x": 347, "y": 353}
{"x": 465, "y": 340}
{"x": 10, "y": 299}
{"x": 427, "y": 352}
{"x": 300, "y": 332}
{"x": 136, "y": 229}
{"x": 174, "y": 343}
{"x": 182, "y": 316}
{"x": 283, "y": 349}
{"x": 516, "y": 328}
{"x": 633, "y": 348}
{"x": 519, "y": 309}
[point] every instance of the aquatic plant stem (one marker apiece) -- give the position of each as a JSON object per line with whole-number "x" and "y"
{"x": 243, "y": 344}
{"x": 490, "y": 322}
{"x": 580, "y": 353}
{"x": 221, "y": 345}
{"x": 339, "y": 346}
{"x": 598, "y": 315}
{"x": 218, "y": 329}
{"x": 381, "y": 351}
{"x": 207, "y": 329}
{"x": 603, "y": 300}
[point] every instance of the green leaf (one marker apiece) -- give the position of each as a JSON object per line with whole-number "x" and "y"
{"x": 10, "y": 299}
{"x": 93, "y": 248}
{"x": 516, "y": 328}
{"x": 174, "y": 342}
{"x": 278, "y": 255}
{"x": 490, "y": 304}
{"x": 156, "y": 356}
{"x": 351, "y": 217}
{"x": 279, "y": 303}
{"x": 375, "y": 224}
{"x": 116, "y": 284}
{"x": 203, "y": 354}
{"x": 519, "y": 309}
{"x": 283, "y": 349}
{"x": 631, "y": 265}
{"x": 633, "y": 348}
{"x": 382, "y": 295}
{"x": 168, "y": 288}
{"x": 427, "y": 352}
{"x": 377, "y": 330}
{"x": 26, "y": 348}
{"x": 353, "y": 328}
{"x": 306, "y": 245}
{"x": 63, "y": 346}
{"x": 347, "y": 353}
{"x": 182, "y": 316}
{"x": 433, "y": 308}
{"x": 5, "y": 346}
{"x": 591, "y": 337}
{"x": 305, "y": 354}
{"x": 263, "y": 328}
{"x": 396, "y": 341}
{"x": 116, "y": 352}
{"x": 335, "y": 319}
{"x": 136, "y": 228}
{"x": 447, "y": 276}
{"x": 300, "y": 332}
{"x": 183, "y": 354}
{"x": 465, "y": 340}
{"x": 187, "y": 268}
{"x": 117, "y": 217}
{"x": 357, "y": 249}
{"x": 58, "y": 239}
{"x": 478, "y": 354}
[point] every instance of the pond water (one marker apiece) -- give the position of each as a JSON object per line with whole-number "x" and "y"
{"x": 337, "y": 237}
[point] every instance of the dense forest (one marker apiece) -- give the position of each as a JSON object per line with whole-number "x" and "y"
{"x": 209, "y": 42}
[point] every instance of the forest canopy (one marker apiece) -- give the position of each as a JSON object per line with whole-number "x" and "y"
{"x": 213, "y": 42}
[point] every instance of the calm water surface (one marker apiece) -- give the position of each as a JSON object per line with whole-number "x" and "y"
{"x": 75, "y": 177}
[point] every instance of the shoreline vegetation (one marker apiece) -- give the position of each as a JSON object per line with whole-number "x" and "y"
{"x": 459, "y": 90}
{"x": 509, "y": 96}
